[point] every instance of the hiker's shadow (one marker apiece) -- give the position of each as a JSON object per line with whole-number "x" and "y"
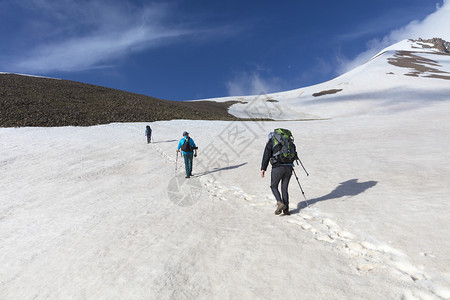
{"x": 221, "y": 169}
{"x": 168, "y": 141}
{"x": 347, "y": 188}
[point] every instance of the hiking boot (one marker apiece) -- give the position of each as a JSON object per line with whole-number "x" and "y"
{"x": 188, "y": 177}
{"x": 280, "y": 207}
{"x": 286, "y": 211}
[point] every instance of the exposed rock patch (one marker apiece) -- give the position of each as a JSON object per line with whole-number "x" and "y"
{"x": 327, "y": 92}
{"x": 419, "y": 65}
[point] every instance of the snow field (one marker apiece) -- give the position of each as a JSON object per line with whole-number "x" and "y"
{"x": 87, "y": 213}
{"x": 96, "y": 212}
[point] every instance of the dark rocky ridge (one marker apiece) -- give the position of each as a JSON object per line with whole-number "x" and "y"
{"x": 438, "y": 44}
{"x": 47, "y": 102}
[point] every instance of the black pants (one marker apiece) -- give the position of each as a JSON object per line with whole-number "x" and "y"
{"x": 283, "y": 174}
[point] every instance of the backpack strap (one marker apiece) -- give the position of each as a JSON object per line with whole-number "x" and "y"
{"x": 276, "y": 139}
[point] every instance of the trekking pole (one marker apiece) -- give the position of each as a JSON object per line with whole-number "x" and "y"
{"x": 176, "y": 162}
{"x": 298, "y": 160}
{"x": 300, "y": 187}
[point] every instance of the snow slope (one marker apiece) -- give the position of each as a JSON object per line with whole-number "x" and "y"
{"x": 96, "y": 213}
{"x": 402, "y": 76}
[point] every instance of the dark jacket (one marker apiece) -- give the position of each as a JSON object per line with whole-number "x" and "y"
{"x": 267, "y": 156}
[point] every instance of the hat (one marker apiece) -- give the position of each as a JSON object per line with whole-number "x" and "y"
{"x": 185, "y": 133}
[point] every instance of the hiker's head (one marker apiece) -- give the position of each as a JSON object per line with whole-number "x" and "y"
{"x": 148, "y": 127}
{"x": 185, "y": 133}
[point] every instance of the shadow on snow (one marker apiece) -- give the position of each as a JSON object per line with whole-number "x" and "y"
{"x": 221, "y": 169}
{"x": 347, "y": 188}
{"x": 168, "y": 141}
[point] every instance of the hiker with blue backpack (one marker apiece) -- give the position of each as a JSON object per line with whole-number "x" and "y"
{"x": 280, "y": 151}
{"x": 188, "y": 151}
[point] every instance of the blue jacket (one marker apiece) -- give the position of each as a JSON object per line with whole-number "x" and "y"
{"x": 191, "y": 142}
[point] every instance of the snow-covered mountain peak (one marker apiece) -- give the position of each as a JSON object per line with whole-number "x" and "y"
{"x": 433, "y": 45}
{"x": 406, "y": 75}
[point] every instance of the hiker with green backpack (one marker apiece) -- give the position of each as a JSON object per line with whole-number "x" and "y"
{"x": 280, "y": 151}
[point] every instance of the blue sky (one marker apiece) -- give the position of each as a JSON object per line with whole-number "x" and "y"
{"x": 193, "y": 49}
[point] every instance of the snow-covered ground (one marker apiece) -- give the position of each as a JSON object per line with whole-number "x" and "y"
{"x": 97, "y": 213}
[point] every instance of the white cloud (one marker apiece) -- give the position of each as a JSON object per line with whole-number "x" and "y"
{"x": 252, "y": 84}
{"x": 89, "y": 34}
{"x": 436, "y": 24}
{"x": 89, "y": 52}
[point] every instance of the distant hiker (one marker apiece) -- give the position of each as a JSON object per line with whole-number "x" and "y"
{"x": 189, "y": 151}
{"x": 148, "y": 133}
{"x": 281, "y": 153}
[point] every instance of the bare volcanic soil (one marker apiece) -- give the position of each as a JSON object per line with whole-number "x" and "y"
{"x": 47, "y": 102}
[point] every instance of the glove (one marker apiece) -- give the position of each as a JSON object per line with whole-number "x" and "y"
{"x": 195, "y": 155}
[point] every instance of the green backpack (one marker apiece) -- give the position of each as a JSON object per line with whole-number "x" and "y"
{"x": 283, "y": 147}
